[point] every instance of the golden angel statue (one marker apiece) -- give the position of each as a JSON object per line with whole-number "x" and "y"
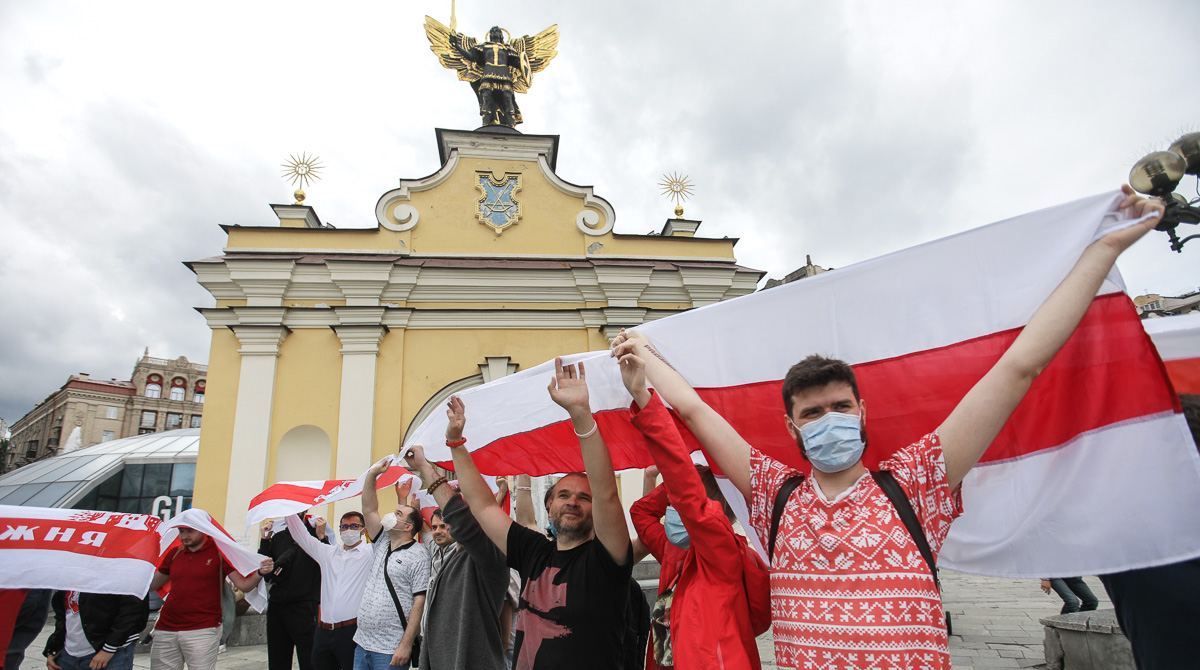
{"x": 497, "y": 69}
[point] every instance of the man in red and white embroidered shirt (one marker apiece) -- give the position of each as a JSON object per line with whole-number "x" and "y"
{"x": 850, "y": 587}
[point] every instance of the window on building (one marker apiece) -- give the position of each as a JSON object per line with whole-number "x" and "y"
{"x": 145, "y": 431}
{"x": 178, "y": 388}
{"x": 149, "y": 418}
{"x": 52, "y": 442}
{"x": 174, "y": 421}
{"x": 108, "y": 436}
{"x": 195, "y": 421}
{"x": 198, "y": 392}
{"x": 31, "y": 449}
{"x": 110, "y": 412}
{"x": 154, "y": 386}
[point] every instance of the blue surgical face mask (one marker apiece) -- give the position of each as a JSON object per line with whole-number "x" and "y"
{"x": 551, "y": 530}
{"x": 676, "y": 533}
{"x": 833, "y": 442}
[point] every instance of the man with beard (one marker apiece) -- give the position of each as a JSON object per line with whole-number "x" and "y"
{"x": 389, "y": 618}
{"x": 576, "y": 586}
{"x": 467, "y": 586}
{"x": 189, "y": 624}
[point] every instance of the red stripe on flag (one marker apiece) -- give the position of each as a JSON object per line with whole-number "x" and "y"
{"x": 1185, "y": 375}
{"x": 1108, "y": 372}
{"x": 79, "y": 537}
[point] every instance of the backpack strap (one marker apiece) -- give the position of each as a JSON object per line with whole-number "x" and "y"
{"x": 387, "y": 579}
{"x": 781, "y": 498}
{"x": 891, "y": 488}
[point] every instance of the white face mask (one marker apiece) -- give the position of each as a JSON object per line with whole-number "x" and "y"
{"x": 389, "y": 521}
{"x": 350, "y": 537}
{"x": 278, "y": 526}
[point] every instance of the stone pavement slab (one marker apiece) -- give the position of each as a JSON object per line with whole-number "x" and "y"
{"x": 995, "y": 625}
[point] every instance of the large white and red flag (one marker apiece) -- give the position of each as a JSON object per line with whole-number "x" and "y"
{"x": 1095, "y": 471}
{"x": 80, "y": 550}
{"x": 284, "y": 498}
{"x": 1177, "y": 339}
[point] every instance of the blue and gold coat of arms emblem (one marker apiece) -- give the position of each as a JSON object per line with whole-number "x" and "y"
{"x": 498, "y": 205}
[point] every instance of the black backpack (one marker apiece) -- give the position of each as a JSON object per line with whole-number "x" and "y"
{"x": 891, "y": 488}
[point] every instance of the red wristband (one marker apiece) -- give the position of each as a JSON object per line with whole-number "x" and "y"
{"x": 456, "y": 443}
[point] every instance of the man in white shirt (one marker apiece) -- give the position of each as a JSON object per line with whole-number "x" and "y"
{"x": 344, "y": 572}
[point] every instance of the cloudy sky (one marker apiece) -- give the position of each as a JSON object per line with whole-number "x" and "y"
{"x": 129, "y": 131}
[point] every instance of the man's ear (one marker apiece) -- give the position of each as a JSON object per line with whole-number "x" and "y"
{"x": 791, "y": 427}
{"x": 862, "y": 413}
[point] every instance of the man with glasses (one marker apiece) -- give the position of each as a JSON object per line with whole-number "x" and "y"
{"x": 344, "y": 572}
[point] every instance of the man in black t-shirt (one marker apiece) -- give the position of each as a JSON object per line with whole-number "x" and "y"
{"x": 576, "y": 586}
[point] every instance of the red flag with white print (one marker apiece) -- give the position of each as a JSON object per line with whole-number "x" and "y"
{"x": 79, "y": 550}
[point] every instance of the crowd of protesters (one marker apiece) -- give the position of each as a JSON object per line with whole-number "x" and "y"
{"x": 483, "y": 589}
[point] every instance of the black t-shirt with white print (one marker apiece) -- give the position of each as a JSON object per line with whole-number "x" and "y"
{"x": 571, "y": 612}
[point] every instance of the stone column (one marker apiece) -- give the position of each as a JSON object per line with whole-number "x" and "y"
{"x": 356, "y": 409}
{"x": 252, "y": 423}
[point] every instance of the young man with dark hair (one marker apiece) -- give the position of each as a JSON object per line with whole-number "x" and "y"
{"x": 467, "y": 586}
{"x": 344, "y": 571}
{"x": 389, "y": 617}
{"x": 849, "y": 581}
{"x": 573, "y": 602}
{"x": 94, "y": 630}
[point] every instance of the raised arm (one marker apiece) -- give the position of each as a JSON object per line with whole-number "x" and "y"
{"x": 705, "y": 520}
{"x": 980, "y": 415}
{"x": 647, "y": 514}
{"x": 523, "y": 503}
{"x": 307, "y": 543}
{"x": 569, "y": 390}
{"x": 248, "y": 582}
{"x": 720, "y": 441}
{"x": 474, "y": 489}
{"x": 370, "y": 498}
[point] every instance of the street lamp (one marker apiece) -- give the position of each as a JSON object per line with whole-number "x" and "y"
{"x": 1159, "y": 173}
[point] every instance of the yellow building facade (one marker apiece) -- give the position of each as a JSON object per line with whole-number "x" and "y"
{"x": 329, "y": 344}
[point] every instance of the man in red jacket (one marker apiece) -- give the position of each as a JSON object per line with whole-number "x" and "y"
{"x": 702, "y": 618}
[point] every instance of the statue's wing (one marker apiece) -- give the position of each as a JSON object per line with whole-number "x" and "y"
{"x": 537, "y": 50}
{"x": 441, "y": 43}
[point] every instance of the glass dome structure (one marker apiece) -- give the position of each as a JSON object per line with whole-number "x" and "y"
{"x": 147, "y": 474}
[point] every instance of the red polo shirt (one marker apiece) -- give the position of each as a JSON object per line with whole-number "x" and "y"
{"x": 197, "y": 578}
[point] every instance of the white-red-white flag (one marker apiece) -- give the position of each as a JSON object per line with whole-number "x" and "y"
{"x": 79, "y": 550}
{"x": 284, "y": 498}
{"x": 1095, "y": 472}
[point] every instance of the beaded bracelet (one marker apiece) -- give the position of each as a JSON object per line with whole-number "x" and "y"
{"x": 436, "y": 483}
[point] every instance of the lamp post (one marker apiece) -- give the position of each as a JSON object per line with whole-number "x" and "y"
{"x": 1159, "y": 173}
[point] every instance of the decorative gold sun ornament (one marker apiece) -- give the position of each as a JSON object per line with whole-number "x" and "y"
{"x": 677, "y": 188}
{"x": 302, "y": 170}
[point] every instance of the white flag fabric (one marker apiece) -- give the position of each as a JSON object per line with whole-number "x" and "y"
{"x": 284, "y": 498}
{"x": 78, "y": 550}
{"x": 242, "y": 559}
{"x": 1095, "y": 472}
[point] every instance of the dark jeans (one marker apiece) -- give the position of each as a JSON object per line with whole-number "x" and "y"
{"x": 334, "y": 649}
{"x": 122, "y": 660}
{"x": 290, "y": 627}
{"x": 1158, "y": 609}
{"x": 30, "y": 621}
{"x": 1075, "y": 594}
